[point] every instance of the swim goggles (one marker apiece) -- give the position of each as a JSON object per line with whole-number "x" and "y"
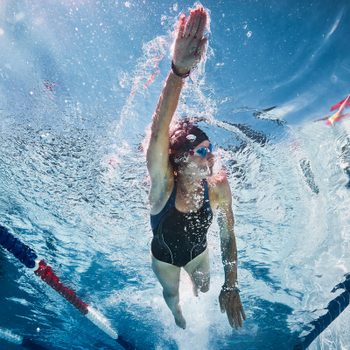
{"x": 202, "y": 152}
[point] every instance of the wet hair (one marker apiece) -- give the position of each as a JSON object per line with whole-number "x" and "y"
{"x": 183, "y": 137}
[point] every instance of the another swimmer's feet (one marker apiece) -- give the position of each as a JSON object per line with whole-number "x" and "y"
{"x": 179, "y": 319}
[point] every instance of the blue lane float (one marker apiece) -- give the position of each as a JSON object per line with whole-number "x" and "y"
{"x": 28, "y": 257}
{"x": 334, "y": 308}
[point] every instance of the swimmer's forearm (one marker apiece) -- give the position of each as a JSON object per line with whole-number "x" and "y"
{"x": 167, "y": 103}
{"x": 226, "y": 223}
{"x": 229, "y": 259}
{"x": 228, "y": 249}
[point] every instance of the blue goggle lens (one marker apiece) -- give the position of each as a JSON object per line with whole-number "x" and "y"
{"x": 204, "y": 150}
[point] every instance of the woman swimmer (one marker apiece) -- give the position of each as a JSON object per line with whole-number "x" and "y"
{"x": 184, "y": 190}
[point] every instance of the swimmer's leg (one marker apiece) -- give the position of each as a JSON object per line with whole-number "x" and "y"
{"x": 198, "y": 269}
{"x": 169, "y": 277}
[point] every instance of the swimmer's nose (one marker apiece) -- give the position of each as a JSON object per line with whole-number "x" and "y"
{"x": 210, "y": 158}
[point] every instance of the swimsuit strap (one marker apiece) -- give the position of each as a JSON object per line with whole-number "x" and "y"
{"x": 206, "y": 190}
{"x": 206, "y": 203}
{"x": 171, "y": 200}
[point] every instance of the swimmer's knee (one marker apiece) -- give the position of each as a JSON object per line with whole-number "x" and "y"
{"x": 170, "y": 293}
{"x": 201, "y": 280}
{"x": 203, "y": 284}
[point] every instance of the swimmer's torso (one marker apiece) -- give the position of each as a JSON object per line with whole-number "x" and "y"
{"x": 180, "y": 237}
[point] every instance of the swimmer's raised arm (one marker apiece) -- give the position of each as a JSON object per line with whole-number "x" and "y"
{"x": 188, "y": 50}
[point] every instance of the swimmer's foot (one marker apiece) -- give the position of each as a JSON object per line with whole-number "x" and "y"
{"x": 179, "y": 319}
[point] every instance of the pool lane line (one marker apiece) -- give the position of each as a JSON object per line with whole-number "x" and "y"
{"x": 335, "y": 307}
{"x": 28, "y": 257}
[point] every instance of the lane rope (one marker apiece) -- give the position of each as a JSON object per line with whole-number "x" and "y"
{"x": 28, "y": 257}
{"x": 334, "y": 308}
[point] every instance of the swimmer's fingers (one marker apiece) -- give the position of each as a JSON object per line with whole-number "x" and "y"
{"x": 190, "y": 44}
{"x": 190, "y": 23}
{"x": 239, "y": 314}
{"x": 181, "y": 26}
{"x": 196, "y": 23}
{"x": 222, "y": 303}
{"x": 230, "y": 302}
{"x": 238, "y": 318}
{"x": 201, "y": 23}
{"x": 231, "y": 315}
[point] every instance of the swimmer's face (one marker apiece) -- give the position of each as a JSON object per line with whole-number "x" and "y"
{"x": 200, "y": 161}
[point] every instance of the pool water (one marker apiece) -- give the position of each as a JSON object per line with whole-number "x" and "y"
{"x": 79, "y": 81}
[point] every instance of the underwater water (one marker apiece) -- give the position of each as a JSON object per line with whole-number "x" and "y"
{"x": 79, "y": 82}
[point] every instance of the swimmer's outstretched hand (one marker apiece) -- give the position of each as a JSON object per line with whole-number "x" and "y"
{"x": 230, "y": 302}
{"x": 190, "y": 43}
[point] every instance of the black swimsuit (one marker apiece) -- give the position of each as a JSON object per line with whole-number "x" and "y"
{"x": 180, "y": 237}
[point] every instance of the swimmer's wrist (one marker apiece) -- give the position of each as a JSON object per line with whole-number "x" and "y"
{"x": 178, "y": 73}
{"x": 230, "y": 288}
